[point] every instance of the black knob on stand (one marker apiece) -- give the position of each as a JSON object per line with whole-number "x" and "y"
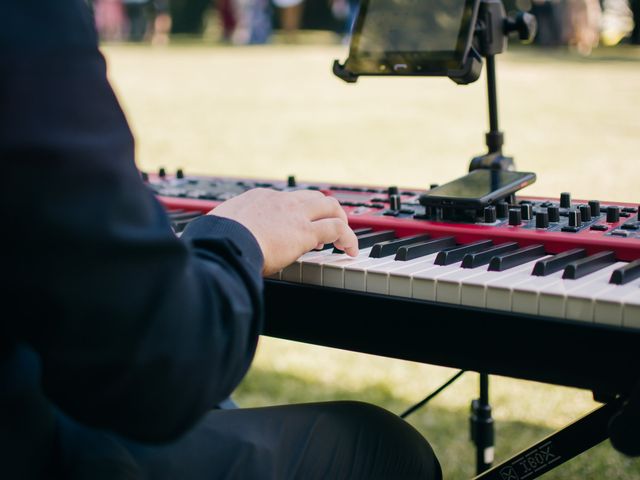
{"x": 595, "y": 208}
{"x": 613, "y": 214}
{"x": 515, "y": 217}
{"x": 145, "y": 176}
{"x": 542, "y": 220}
{"x": 490, "y": 215}
{"x": 291, "y": 181}
{"x": 575, "y": 219}
{"x": 179, "y": 173}
{"x": 585, "y": 213}
{"x": 502, "y": 209}
{"x": 565, "y": 200}
{"x": 394, "y": 202}
{"x": 554, "y": 213}
{"x": 162, "y": 172}
{"x": 526, "y": 210}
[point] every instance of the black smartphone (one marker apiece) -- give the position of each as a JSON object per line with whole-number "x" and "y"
{"x": 477, "y": 189}
{"x": 414, "y": 37}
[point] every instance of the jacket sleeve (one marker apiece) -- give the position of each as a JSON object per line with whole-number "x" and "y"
{"x": 138, "y": 331}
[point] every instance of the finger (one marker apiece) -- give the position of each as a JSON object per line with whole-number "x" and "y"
{"x": 305, "y": 195}
{"x": 319, "y": 246}
{"x": 325, "y": 207}
{"x": 336, "y": 231}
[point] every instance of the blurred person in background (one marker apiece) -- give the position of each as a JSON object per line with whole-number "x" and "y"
{"x": 290, "y": 15}
{"x": 254, "y": 25}
{"x": 137, "y": 15}
{"x": 583, "y": 18}
{"x": 109, "y": 18}
{"x": 161, "y": 22}
{"x": 617, "y": 21}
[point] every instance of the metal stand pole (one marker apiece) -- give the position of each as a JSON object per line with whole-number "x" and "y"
{"x": 482, "y": 427}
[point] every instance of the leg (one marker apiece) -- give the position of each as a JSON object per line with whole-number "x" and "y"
{"x": 334, "y": 440}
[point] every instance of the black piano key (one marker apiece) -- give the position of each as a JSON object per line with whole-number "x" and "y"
{"x": 174, "y": 211}
{"x": 456, "y": 254}
{"x": 503, "y": 262}
{"x": 625, "y": 274}
{"x": 367, "y": 240}
{"x": 180, "y": 225}
{"x": 558, "y": 262}
{"x": 357, "y": 231}
{"x": 477, "y": 259}
{"x": 417, "y": 250}
{"x": 390, "y": 247}
{"x": 590, "y": 264}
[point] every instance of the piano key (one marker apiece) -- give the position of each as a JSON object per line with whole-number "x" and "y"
{"x": 456, "y": 254}
{"x": 378, "y": 275}
{"x": 590, "y": 264}
{"x": 355, "y": 274}
{"x": 411, "y": 252}
{"x": 333, "y": 272}
{"x": 508, "y": 260}
{"x": 312, "y": 268}
{"x": 552, "y": 298}
{"x": 293, "y": 272}
{"x": 390, "y": 247}
{"x": 400, "y": 279}
{"x": 358, "y": 232}
{"x": 499, "y": 292}
{"x": 558, "y": 262}
{"x": 525, "y": 296}
{"x": 473, "y": 291}
{"x": 449, "y": 285}
{"x": 626, "y": 274}
{"x": 631, "y": 311}
{"x": 424, "y": 282}
{"x": 610, "y": 304}
{"x": 369, "y": 239}
{"x": 580, "y": 303}
{"x": 477, "y": 259}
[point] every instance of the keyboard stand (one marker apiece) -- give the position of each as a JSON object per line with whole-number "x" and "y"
{"x": 482, "y": 427}
{"x": 558, "y": 447}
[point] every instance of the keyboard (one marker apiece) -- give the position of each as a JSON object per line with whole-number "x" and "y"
{"x": 521, "y": 275}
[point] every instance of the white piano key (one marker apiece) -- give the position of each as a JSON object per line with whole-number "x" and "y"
{"x": 355, "y": 275}
{"x": 525, "y": 296}
{"x": 474, "y": 290}
{"x": 552, "y": 299}
{"x": 631, "y": 310}
{"x": 423, "y": 283}
{"x": 293, "y": 272}
{"x": 312, "y": 268}
{"x": 400, "y": 279}
{"x": 580, "y": 303}
{"x": 498, "y": 294}
{"x": 333, "y": 272}
{"x": 609, "y": 304}
{"x": 378, "y": 276}
{"x": 449, "y": 285}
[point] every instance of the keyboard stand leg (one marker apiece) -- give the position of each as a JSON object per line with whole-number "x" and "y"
{"x": 482, "y": 429}
{"x": 557, "y": 448}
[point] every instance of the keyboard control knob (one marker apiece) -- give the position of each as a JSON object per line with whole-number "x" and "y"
{"x": 490, "y": 215}
{"x": 394, "y": 202}
{"x": 565, "y": 200}
{"x": 162, "y": 172}
{"x": 392, "y": 191}
{"x": 585, "y": 213}
{"x": 613, "y": 214}
{"x": 179, "y": 173}
{"x": 291, "y": 181}
{"x": 595, "y": 208}
{"x": 145, "y": 176}
{"x": 515, "y": 217}
{"x": 554, "y": 213}
{"x": 502, "y": 209}
{"x": 575, "y": 220}
{"x": 542, "y": 220}
{"x": 526, "y": 211}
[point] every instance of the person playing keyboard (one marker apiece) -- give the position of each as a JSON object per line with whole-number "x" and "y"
{"x": 123, "y": 337}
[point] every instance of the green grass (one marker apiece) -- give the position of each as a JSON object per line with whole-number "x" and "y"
{"x": 276, "y": 110}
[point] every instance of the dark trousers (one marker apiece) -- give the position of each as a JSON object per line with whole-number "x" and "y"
{"x": 333, "y": 440}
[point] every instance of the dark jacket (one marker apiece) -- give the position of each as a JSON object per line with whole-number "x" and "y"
{"x": 106, "y": 315}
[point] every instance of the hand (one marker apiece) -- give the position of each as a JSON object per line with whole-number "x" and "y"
{"x": 288, "y": 224}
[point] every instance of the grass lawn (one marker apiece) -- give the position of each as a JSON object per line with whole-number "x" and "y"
{"x": 276, "y": 110}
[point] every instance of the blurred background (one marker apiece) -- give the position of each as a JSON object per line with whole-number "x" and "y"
{"x": 244, "y": 88}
